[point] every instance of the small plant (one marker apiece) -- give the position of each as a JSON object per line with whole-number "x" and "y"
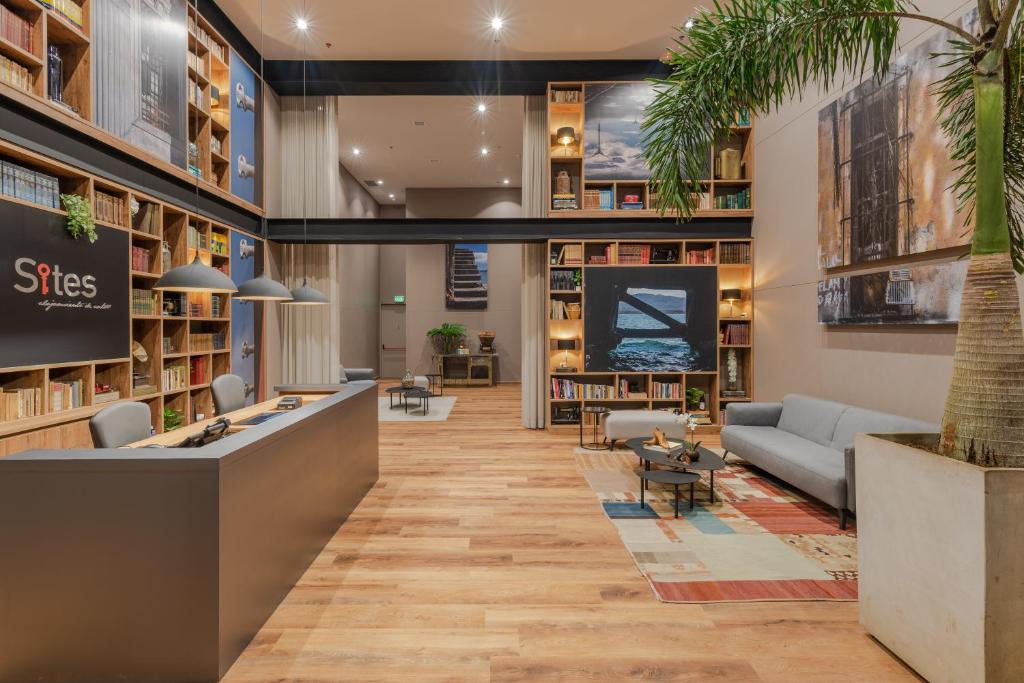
{"x": 577, "y": 278}
{"x": 693, "y": 397}
{"x": 447, "y": 337}
{"x": 80, "y": 220}
{"x": 172, "y": 419}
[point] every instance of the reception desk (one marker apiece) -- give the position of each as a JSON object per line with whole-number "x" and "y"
{"x": 160, "y": 564}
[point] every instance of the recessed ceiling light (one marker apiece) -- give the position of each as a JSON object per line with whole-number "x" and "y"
{"x": 484, "y": 151}
{"x": 391, "y": 195}
{"x": 481, "y": 107}
{"x": 301, "y": 24}
{"x": 688, "y": 24}
{"x": 379, "y": 183}
{"x": 506, "y": 181}
{"x": 497, "y": 23}
{"x": 356, "y": 151}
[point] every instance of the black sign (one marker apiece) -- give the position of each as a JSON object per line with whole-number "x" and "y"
{"x": 61, "y": 300}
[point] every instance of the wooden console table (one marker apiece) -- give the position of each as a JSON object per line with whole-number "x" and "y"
{"x": 468, "y": 370}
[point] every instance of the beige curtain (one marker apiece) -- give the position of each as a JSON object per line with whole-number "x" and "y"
{"x": 534, "y": 308}
{"x": 310, "y": 159}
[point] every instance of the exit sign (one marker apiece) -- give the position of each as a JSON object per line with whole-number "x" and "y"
{"x": 399, "y": 298}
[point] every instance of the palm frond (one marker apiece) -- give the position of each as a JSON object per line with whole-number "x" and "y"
{"x": 1013, "y": 144}
{"x": 753, "y": 54}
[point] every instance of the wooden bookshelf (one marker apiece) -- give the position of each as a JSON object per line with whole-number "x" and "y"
{"x": 74, "y": 47}
{"x": 570, "y": 159}
{"x": 201, "y": 329}
{"x": 732, "y": 260}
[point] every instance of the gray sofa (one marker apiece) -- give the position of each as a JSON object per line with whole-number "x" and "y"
{"x": 808, "y": 442}
{"x": 357, "y": 375}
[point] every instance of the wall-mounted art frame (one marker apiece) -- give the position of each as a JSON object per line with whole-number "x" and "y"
{"x": 466, "y": 277}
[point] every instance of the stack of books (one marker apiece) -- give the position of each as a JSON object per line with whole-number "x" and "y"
{"x": 23, "y": 183}
{"x": 570, "y": 255}
{"x": 206, "y": 341}
{"x": 143, "y": 302}
{"x": 140, "y": 259}
{"x": 735, "y": 252}
{"x": 700, "y": 257}
{"x": 736, "y": 334}
{"x": 631, "y": 202}
{"x": 15, "y": 29}
{"x": 634, "y": 254}
{"x": 66, "y": 395}
{"x": 18, "y": 403}
{"x": 68, "y": 9}
{"x": 666, "y": 390}
{"x": 739, "y": 200}
{"x": 109, "y": 208}
{"x": 175, "y": 378}
{"x": 563, "y": 202}
{"x": 565, "y": 96}
{"x": 219, "y": 244}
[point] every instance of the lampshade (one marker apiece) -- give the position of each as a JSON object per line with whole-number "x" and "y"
{"x": 306, "y": 296}
{"x": 566, "y": 344}
{"x": 731, "y": 295}
{"x": 566, "y": 135}
{"x": 195, "y": 277}
{"x": 262, "y": 288}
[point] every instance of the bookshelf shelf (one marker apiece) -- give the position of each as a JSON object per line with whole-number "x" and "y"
{"x": 664, "y": 389}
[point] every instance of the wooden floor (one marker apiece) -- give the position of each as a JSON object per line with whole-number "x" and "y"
{"x": 482, "y": 555}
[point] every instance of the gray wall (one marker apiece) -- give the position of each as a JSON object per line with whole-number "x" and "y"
{"x": 905, "y": 372}
{"x": 499, "y": 202}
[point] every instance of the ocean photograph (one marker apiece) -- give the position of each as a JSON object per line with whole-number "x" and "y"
{"x": 640, "y": 353}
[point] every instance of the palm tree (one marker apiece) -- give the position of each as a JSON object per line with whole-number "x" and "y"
{"x": 757, "y": 54}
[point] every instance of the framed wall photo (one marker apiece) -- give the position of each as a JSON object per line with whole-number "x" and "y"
{"x": 245, "y": 102}
{"x": 62, "y": 300}
{"x": 466, "y": 277}
{"x": 245, "y": 340}
{"x": 611, "y": 136}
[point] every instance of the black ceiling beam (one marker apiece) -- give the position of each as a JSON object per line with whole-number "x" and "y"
{"x": 490, "y": 230}
{"x": 455, "y": 77}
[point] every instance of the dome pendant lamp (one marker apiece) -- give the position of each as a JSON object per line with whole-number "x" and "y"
{"x": 262, "y": 288}
{"x": 305, "y": 295}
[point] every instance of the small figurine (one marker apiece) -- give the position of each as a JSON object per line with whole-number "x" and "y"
{"x": 658, "y": 439}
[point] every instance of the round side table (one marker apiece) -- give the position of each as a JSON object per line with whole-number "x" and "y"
{"x": 598, "y": 412}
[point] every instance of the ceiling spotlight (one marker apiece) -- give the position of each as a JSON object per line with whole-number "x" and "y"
{"x": 379, "y": 183}
{"x": 484, "y": 151}
{"x": 301, "y": 24}
{"x": 497, "y": 23}
{"x": 356, "y": 151}
{"x": 391, "y": 195}
{"x": 481, "y": 107}
{"x": 689, "y": 24}
{"x": 506, "y": 181}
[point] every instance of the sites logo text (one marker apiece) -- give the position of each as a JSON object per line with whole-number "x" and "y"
{"x": 45, "y": 279}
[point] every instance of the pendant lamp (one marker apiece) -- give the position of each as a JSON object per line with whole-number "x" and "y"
{"x": 262, "y": 288}
{"x": 305, "y": 295}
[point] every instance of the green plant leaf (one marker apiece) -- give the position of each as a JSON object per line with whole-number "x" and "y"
{"x": 79, "y": 221}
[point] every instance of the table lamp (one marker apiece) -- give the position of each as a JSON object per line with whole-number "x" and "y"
{"x": 732, "y": 296}
{"x": 566, "y": 345}
{"x": 566, "y": 135}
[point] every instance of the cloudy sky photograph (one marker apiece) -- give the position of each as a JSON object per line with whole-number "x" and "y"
{"x": 615, "y": 153}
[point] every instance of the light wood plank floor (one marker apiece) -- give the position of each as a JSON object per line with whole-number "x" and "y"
{"x": 482, "y": 555}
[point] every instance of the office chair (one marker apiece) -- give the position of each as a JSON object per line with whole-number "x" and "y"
{"x": 120, "y": 424}
{"x": 228, "y": 393}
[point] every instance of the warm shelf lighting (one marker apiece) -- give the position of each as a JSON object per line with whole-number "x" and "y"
{"x": 732, "y": 296}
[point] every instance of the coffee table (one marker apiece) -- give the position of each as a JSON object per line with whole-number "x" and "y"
{"x": 424, "y": 395}
{"x": 403, "y": 396}
{"x": 673, "y": 479}
{"x": 709, "y": 461}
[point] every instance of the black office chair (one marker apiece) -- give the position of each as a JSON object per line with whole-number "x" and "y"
{"x": 120, "y": 424}
{"x": 228, "y": 393}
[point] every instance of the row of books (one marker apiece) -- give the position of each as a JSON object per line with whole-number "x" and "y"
{"x": 219, "y": 243}
{"x": 15, "y": 29}
{"x": 563, "y": 280}
{"x": 739, "y": 200}
{"x": 735, "y": 252}
{"x": 68, "y": 9}
{"x": 18, "y": 403}
{"x": 205, "y": 341}
{"x": 700, "y": 257}
{"x": 196, "y": 95}
{"x": 602, "y": 200}
{"x": 569, "y": 255}
{"x": 736, "y": 333}
{"x": 216, "y": 144}
{"x": 560, "y": 311}
{"x": 140, "y": 259}
{"x": 197, "y": 63}
{"x": 568, "y": 389}
{"x": 666, "y": 390}
{"x": 14, "y": 74}
{"x": 198, "y": 371}
{"x": 31, "y": 186}
{"x": 109, "y": 208}
{"x": 174, "y": 378}
{"x": 66, "y": 395}
{"x": 631, "y": 389}
{"x": 197, "y": 239}
{"x": 144, "y": 302}
{"x": 634, "y": 254}
{"x": 205, "y": 39}
{"x": 565, "y": 96}
{"x": 564, "y": 202}
{"x": 148, "y": 218}
{"x": 205, "y": 308}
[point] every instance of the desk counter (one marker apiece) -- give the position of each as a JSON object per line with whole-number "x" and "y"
{"x": 161, "y": 564}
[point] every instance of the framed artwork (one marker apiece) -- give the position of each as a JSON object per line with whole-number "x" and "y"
{"x": 611, "y": 130}
{"x": 466, "y": 277}
{"x": 244, "y": 105}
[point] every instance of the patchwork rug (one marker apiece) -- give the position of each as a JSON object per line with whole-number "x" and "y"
{"x": 440, "y": 408}
{"x": 760, "y": 540}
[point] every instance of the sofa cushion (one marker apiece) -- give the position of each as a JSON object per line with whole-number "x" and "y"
{"x": 811, "y": 418}
{"x": 857, "y": 420}
{"x": 818, "y": 470}
{"x": 631, "y": 424}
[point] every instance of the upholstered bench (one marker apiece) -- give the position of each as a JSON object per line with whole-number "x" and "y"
{"x": 621, "y": 425}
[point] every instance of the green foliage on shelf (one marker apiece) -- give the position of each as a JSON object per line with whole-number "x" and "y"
{"x": 447, "y": 337}
{"x": 80, "y": 221}
{"x": 172, "y": 419}
{"x": 693, "y": 397}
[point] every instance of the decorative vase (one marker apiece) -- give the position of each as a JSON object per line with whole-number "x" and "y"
{"x": 563, "y": 183}
{"x": 487, "y": 341}
{"x": 729, "y": 164}
{"x": 574, "y": 311}
{"x": 408, "y": 379}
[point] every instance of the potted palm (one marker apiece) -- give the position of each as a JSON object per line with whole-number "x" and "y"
{"x": 946, "y": 601}
{"x": 447, "y": 337}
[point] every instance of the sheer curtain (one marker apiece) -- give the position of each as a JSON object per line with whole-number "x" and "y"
{"x": 310, "y": 157}
{"x": 534, "y": 308}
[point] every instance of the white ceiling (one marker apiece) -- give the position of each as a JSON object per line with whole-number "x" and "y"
{"x": 443, "y": 152}
{"x": 459, "y": 29}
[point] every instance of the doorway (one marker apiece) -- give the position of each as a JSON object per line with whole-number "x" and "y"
{"x": 392, "y": 340}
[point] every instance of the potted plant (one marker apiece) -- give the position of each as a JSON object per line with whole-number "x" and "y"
{"x": 172, "y": 419}
{"x": 447, "y": 337}
{"x": 694, "y": 398}
{"x": 79, "y": 221}
{"x": 946, "y": 600}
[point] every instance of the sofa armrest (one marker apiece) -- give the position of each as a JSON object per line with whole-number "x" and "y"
{"x": 851, "y": 480}
{"x": 357, "y": 374}
{"x": 754, "y": 414}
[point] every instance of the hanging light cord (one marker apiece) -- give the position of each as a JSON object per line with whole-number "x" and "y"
{"x": 305, "y": 151}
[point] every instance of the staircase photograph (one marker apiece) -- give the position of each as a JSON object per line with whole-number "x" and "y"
{"x": 466, "y": 277}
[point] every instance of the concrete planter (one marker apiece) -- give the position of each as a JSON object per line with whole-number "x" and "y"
{"x": 941, "y": 560}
